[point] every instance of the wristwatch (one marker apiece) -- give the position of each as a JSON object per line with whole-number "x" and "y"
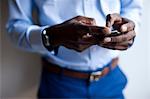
{"x": 46, "y": 40}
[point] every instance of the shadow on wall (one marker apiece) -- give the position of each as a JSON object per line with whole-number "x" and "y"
{"x": 20, "y": 70}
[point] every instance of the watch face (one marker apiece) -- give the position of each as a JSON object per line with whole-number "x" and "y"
{"x": 45, "y": 38}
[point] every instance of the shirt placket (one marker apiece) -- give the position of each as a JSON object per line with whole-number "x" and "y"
{"x": 87, "y": 7}
{"x": 88, "y": 13}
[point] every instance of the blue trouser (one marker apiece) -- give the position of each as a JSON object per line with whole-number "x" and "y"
{"x": 59, "y": 86}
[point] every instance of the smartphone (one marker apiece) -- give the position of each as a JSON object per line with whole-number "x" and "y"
{"x": 115, "y": 33}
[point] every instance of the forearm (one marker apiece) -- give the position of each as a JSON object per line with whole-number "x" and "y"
{"x": 26, "y": 36}
{"x": 21, "y": 29}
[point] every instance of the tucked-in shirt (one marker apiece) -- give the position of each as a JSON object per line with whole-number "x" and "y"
{"x": 27, "y": 35}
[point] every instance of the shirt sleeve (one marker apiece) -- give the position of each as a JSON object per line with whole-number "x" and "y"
{"x": 132, "y": 9}
{"x": 21, "y": 29}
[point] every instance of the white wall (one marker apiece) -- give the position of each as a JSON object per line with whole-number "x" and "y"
{"x": 136, "y": 61}
{"x": 20, "y": 70}
{"x": 0, "y": 54}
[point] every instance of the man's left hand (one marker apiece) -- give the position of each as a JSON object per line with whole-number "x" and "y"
{"x": 125, "y": 39}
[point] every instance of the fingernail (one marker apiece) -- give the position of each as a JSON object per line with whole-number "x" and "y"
{"x": 107, "y": 39}
{"x": 123, "y": 28}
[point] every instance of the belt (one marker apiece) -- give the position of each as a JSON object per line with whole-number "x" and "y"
{"x": 92, "y": 76}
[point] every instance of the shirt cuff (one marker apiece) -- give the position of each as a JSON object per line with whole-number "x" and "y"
{"x": 35, "y": 39}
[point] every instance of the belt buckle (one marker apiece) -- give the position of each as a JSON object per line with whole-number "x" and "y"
{"x": 95, "y": 76}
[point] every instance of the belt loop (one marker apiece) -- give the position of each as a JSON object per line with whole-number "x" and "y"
{"x": 88, "y": 80}
{"x": 109, "y": 66}
{"x": 114, "y": 63}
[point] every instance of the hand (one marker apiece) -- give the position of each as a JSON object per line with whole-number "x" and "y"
{"x": 123, "y": 25}
{"x": 76, "y": 33}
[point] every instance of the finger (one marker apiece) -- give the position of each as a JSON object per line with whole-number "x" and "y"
{"x": 92, "y": 30}
{"x": 119, "y": 46}
{"x": 117, "y": 26}
{"x": 88, "y": 21}
{"x": 112, "y": 18}
{"x": 85, "y": 41}
{"x": 121, "y": 38}
{"x": 116, "y": 48}
{"x": 125, "y": 44}
{"x": 128, "y": 26}
{"x": 85, "y": 20}
{"x": 95, "y": 30}
{"x": 81, "y": 30}
{"x": 89, "y": 40}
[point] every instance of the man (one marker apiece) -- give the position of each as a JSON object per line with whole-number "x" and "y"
{"x": 79, "y": 52}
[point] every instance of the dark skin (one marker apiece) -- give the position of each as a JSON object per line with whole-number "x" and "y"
{"x": 125, "y": 26}
{"x": 73, "y": 33}
{"x": 79, "y": 33}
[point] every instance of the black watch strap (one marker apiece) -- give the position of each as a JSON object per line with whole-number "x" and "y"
{"x": 46, "y": 42}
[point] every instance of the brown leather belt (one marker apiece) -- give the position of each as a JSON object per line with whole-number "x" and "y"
{"x": 92, "y": 76}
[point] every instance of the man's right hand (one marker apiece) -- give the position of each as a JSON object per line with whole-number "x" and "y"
{"x": 76, "y": 33}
